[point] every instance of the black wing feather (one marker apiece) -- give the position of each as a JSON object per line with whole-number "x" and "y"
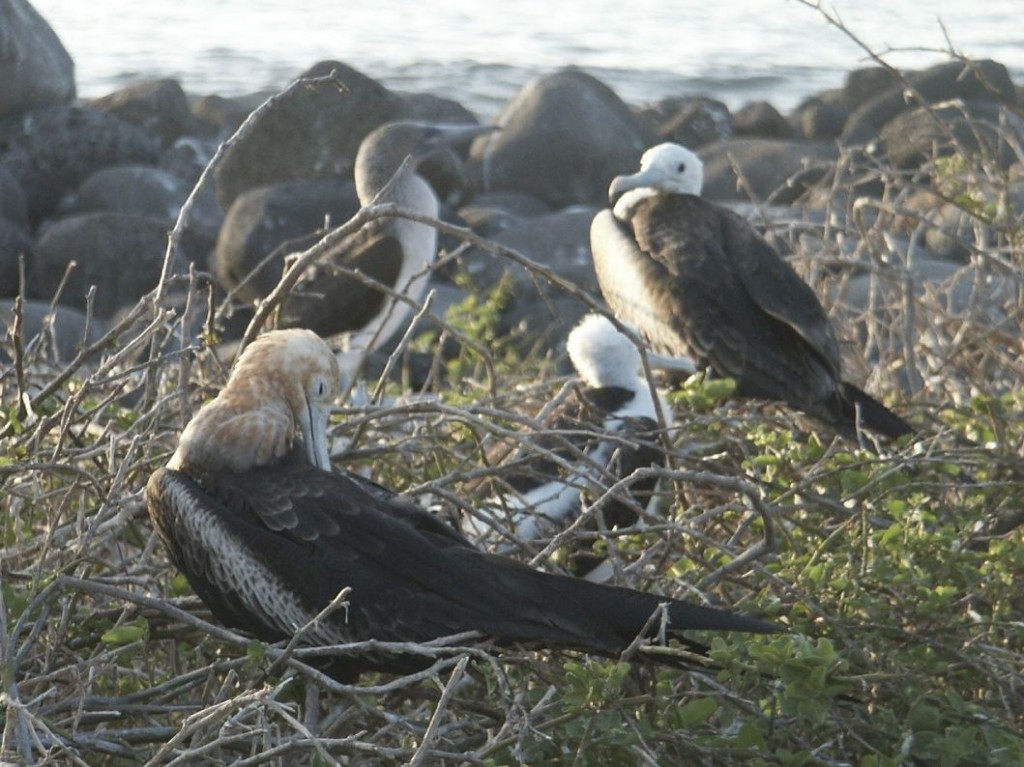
{"x": 409, "y": 581}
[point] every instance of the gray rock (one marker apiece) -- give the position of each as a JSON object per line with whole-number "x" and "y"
{"x": 159, "y": 107}
{"x": 52, "y": 151}
{"x": 142, "y": 189}
{"x": 954, "y": 127}
{"x": 430, "y": 108}
{"x": 821, "y": 118}
{"x": 12, "y": 199}
{"x": 491, "y": 212}
{"x": 540, "y": 315}
{"x": 984, "y": 80}
{"x": 228, "y": 113}
{"x": 262, "y": 219}
{"x": 772, "y": 170}
{"x": 863, "y": 85}
{"x": 121, "y": 254}
{"x": 14, "y": 243}
{"x": 564, "y": 137}
{"x": 35, "y": 69}
{"x": 314, "y": 132}
{"x": 55, "y": 334}
{"x": 761, "y": 119}
{"x": 693, "y": 121}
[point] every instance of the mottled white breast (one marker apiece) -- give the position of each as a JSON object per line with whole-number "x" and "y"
{"x": 234, "y": 567}
{"x": 621, "y": 274}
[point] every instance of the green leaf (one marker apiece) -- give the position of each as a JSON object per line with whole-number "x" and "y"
{"x": 697, "y": 712}
{"x": 125, "y": 634}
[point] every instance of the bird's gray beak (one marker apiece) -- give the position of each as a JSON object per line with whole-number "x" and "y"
{"x": 314, "y": 436}
{"x": 622, "y": 184}
{"x": 447, "y": 136}
{"x": 680, "y": 364}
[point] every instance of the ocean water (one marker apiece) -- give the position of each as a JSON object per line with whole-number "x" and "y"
{"x": 481, "y": 53}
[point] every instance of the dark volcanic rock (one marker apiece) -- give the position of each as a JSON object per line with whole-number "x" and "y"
{"x": 761, "y": 119}
{"x": 984, "y": 80}
{"x": 693, "y": 121}
{"x": 863, "y": 85}
{"x": 262, "y": 219}
{"x": 539, "y": 313}
{"x": 52, "y": 151}
{"x": 821, "y": 118}
{"x": 491, "y": 212}
{"x": 772, "y": 170}
{"x": 12, "y": 199}
{"x": 313, "y": 132}
{"x": 427, "y": 107}
{"x": 142, "y": 189}
{"x": 53, "y": 334}
{"x": 121, "y": 254}
{"x": 228, "y": 113}
{"x": 14, "y": 243}
{"x": 35, "y": 69}
{"x": 159, "y": 107}
{"x": 966, "y": 127}
{"x": 564, "y": 137}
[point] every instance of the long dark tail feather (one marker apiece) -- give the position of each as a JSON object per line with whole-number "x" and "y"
{"x": 629, "y": 611}
{"x": 873, "y": 414}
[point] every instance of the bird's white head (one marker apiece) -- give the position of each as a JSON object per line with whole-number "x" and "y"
{"x": 602, "y": 355}
{"x": 280, "y": 390}
{"x": 665, "y": 168}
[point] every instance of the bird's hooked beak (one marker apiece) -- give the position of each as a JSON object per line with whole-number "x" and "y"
{"x": 679, "y": 364}
{"x": 447, "y": 136}
{"x": 313, "y": 426}
{"x": 622, "y": 184}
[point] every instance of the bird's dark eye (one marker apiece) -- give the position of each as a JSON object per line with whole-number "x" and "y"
{"x": 681, "y": 168}
{"x": 321, "y": 388}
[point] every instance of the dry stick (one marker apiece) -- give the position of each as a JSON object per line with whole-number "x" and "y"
{"x": 449, "y": 690}
{"x": 17, "y": 332}
{"x": 25, "y": 402}
{"x": 17, "y": 733}
{"x": 378, "y": 392}
{"x": 61, "y": 378}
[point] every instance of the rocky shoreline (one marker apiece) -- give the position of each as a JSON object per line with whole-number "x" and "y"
{"x": 99, "y": 183}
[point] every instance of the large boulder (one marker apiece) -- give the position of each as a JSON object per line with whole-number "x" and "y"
{"x": 12, "y": 199}
{"x": 772, "y": 170}
{"x": 313, "y": 132}
{"x": 142, "y": 189}
{"x": 821, "y": 117}
{"x": 761, "y": 119}
{"x": 121, "y": 254}
{"x": 227, "y": 113}
{"x": 262, "y": 219}
{"x": 159, "y": 107}
{"x": 35, "y": 69}
{"x": 55, "y": 334}
{"x": 15, "y": 242}
{"x": 693, "y": 121}
{"x": 954, "y": 127}
{"x": 972, "y": 81}
{"x": 52, "y": 153}
{"x": 539, "y": 315}
{"x": 563, "y": 139}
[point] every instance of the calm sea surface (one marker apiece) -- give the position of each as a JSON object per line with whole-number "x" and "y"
{"x": 481, "y": 53}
